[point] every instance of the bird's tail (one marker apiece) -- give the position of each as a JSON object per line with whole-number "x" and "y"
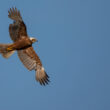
{"x": 41, "y": 76}
{"x": 5, "y": 50}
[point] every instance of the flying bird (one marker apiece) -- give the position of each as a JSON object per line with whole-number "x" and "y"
{"x": 22, "y": 43}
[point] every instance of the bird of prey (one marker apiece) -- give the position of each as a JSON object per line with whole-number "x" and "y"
{"x": 22, "y": 43}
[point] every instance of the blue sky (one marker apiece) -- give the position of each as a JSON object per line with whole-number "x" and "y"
{"x": 73, "y": 44}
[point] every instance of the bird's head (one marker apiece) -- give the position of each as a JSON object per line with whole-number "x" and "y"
{"x": 33, "y": 39}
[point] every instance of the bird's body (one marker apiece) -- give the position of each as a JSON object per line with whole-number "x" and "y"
{"x": 22, "y": 43}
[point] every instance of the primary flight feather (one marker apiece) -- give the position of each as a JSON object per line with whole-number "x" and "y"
{"x": 22, "y": 43}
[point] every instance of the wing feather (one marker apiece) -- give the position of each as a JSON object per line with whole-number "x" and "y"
{"x": 14, "y": 14}
{"x": 32, "y": 62}
{"x": 18, "y": 28}
{"x": 28, "y": 62}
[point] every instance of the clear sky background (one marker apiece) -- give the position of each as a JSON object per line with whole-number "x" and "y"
{"x": 74, "y": 46}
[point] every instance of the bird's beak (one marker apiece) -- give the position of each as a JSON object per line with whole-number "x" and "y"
{"x": 33, "y": 39}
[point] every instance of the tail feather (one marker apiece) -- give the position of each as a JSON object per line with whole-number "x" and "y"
{"x": 42, "y": 76}
{"x": 4, "y": 51}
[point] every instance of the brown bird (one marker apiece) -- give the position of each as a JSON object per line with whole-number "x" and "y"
{"x": 22, "y": 43}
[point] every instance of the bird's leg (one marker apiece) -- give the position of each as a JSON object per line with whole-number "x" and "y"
{"x": 10, "y": 48}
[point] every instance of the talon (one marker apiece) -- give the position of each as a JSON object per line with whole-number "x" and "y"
{"x": 10, "y": 48}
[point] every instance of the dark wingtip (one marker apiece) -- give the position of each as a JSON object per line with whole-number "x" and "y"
{"x": 41, "y": 76}
{"x": 14, "y": 14}
{"x": 45, "y": 80}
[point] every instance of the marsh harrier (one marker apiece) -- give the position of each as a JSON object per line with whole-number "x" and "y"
{"x": 22, "y": 43}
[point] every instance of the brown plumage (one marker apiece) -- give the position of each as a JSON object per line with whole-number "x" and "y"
{"x": 22, "y": 43}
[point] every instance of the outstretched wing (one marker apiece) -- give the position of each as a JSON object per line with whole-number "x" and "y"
{"x": 32, "y": 62}
{"x": 29, "y": 58}
{"x": 18, "y": 28}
